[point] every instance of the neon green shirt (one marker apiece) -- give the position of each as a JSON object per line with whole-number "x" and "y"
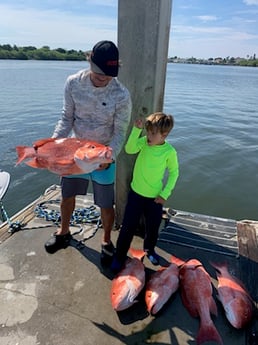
{"x": 151, "y": 165}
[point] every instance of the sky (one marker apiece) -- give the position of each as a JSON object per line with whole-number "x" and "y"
{"x": 199, "y": 28}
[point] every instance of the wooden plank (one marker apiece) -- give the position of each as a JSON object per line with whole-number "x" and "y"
{"x": 248, "y": 251}
{"x": 204, "y": 232}
{"x": 248, "y": 239}
{"x": 24, "y": 216}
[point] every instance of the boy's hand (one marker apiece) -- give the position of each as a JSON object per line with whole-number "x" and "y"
{"x": 139, "y": 123}
{"x": 159, "y": 200}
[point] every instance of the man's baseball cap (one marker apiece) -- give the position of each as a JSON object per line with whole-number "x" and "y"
{"x": 104, "y": 58}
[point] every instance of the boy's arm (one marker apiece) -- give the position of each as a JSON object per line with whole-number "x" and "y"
{"x": 133, "y": 144}
{"x": 173, "y": 173}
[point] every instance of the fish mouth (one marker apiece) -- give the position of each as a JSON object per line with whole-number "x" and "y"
{"x": 104, "y": 155}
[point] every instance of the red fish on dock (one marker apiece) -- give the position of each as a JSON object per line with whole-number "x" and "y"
{"x": 196, "y": 292}
{"x": 160, "y": 287}
{"x": 65, "y": 156}
{"x": 235, "y": 299}
{"x": 129, "y": 282}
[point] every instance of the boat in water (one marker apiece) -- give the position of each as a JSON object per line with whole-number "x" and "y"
{"x": 4, "y": 185}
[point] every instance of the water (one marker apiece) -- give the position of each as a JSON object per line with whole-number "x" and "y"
{"x": 215, "y": 134}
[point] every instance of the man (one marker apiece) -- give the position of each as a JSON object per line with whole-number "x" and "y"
{"x": 96, "y": 107}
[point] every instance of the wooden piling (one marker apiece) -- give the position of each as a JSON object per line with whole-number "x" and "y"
{"x": 143, "y": 38}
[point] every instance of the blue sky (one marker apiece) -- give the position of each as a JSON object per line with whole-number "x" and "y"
{"x": 199, "y": 28}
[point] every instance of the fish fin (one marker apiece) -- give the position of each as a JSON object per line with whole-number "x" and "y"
{"x": 35, "y": 164}
{"x": 175, "y": 260}
{"x": 86, "y": 166}
{"x": 24, "y": 152}
{"x": 162, "y": 268}
{"x": 42, "y": 142}
{"x": 137, "y": 253}
{"x": 219, "y": 267}
{"x": 213, "y": 307}
{"x": 208, "y": 333}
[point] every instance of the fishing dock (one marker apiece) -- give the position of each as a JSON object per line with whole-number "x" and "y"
{"x": 64, "y": 298}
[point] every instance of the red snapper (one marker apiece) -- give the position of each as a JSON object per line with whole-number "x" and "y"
{"x": 160, "y": 287}
{"x": 196, "y": 292}
{"x": 65, "y": 156}
{"x": 235, "y": 299}
{"x": 129, "y": 282}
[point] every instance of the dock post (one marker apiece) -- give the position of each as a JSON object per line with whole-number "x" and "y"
{"x": 143, "y": 38}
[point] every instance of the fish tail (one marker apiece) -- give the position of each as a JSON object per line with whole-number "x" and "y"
{"x": 208, "y": 333}
{"x": 24, "y": 152}
{"x": 137, "y": 253}
{"x": 219, "y": 266}
{"x": 34, "y": 163}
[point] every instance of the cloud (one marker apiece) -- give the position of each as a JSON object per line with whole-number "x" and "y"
{"x": 189, "y": 30}
{"x": 212, "y": 41}
{"x": 207, "y": 18}
{"x": 55, "y": 28}
{"x": 250, "y": 2}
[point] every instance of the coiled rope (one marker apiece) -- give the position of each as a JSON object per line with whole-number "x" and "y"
{"x": 80, "y": 217}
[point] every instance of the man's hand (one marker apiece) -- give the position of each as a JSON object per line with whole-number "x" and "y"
{"x": 103, "y": 166}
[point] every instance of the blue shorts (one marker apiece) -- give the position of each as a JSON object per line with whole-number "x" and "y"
{"x": 102, "y": 183}
{"x": 106, "y": 176}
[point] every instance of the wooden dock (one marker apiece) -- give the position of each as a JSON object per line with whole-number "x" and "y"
{"x": 64, "y": 298}
{"x": 228, "y": 237}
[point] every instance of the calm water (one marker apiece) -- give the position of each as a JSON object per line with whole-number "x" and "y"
{"x": 216, "y": 132}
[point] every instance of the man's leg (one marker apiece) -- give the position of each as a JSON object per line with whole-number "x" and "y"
{"x": 107, "y": 219}
{"x": 67, "y": 208}
{"x": 70, "y": 188}
{"x": 61, "y": 238}
{"x": 104, "y": 196}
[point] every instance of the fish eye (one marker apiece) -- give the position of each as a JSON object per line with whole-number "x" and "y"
{"x": 92, "y": 146}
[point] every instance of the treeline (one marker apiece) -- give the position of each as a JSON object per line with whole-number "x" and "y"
{"x": 45, "y": 53}
{"x": 250, "y": 61}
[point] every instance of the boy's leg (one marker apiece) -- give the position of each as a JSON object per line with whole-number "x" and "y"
{"x": 133, "y": 212}
{"x": 153, "y": 217}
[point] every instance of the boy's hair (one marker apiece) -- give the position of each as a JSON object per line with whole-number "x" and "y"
{"x": 160, "y": 122}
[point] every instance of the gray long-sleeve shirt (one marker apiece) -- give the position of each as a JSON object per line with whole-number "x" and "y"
{"x": 100, "y": 114}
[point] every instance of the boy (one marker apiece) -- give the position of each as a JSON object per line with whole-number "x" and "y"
{"x": 148, "y": 192}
